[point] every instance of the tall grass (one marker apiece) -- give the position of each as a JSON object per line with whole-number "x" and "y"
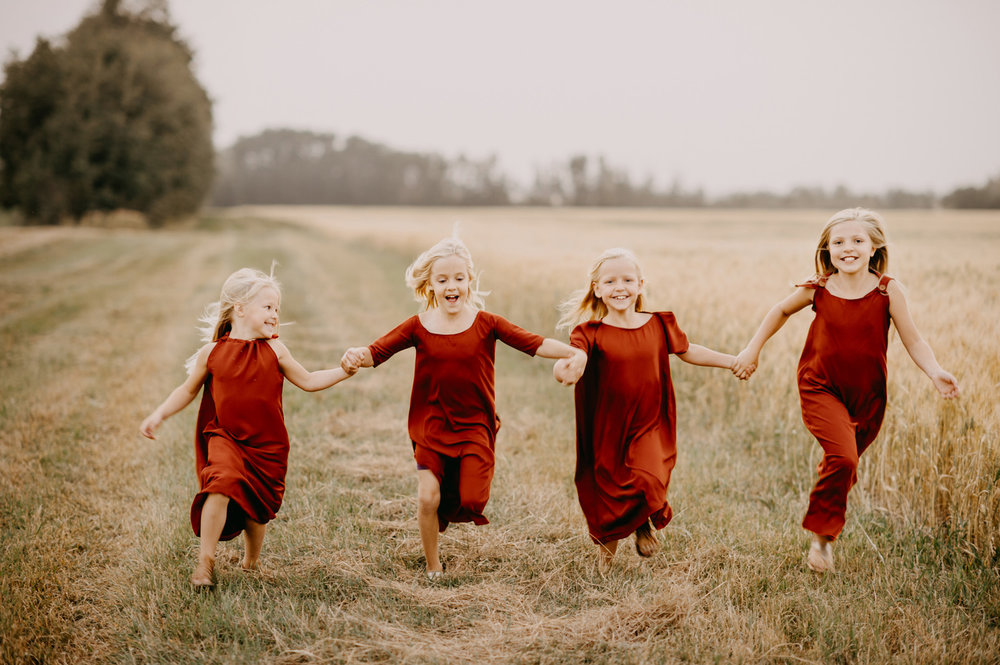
{"x": 95, "y": 546}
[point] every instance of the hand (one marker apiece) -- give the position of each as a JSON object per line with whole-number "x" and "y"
{"x": 352, "y": 359}
{"x": 568, "y": 371}
{"x": 149, "y": 426}
{"x": 946, "y": 384}
{"x": 745, "y": 365}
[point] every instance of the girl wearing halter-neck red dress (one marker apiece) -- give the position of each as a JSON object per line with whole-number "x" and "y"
{"x": 241, "y": 445}
{"x": 452, "y": 421}
{"x": 625, "y": 413}
{"x": 842, "y": 370}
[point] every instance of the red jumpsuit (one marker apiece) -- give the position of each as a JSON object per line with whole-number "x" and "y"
{"x": 626, "y": 424}
{"x": 842, "y": 379}
{"x": 453, "y": 421}
{"x": 241, "y": 445}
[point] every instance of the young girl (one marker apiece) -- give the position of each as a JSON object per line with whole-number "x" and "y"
{"x": 452, "y": 421}
{"x": 241, "y": 445}
{"x": 842, "y": 370}
{"x": 625, "y": 414}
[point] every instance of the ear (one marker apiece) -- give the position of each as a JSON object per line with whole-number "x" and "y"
{"x": 238, "y": 309}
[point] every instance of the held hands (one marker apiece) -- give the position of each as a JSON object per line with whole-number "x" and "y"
{"x": 568, "y": 371}
{"x": 745, "y": 365}
{"x": 352, "y": 360}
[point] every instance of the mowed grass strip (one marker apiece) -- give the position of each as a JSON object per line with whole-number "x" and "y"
{"x": 96, "y": 546}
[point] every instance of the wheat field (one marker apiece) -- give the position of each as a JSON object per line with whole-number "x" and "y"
{"x": 96, "y": 548}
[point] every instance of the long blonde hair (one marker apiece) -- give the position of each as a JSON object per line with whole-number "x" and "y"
{"x": 418, "y": 274}
{"x": 874, "y": 226}
{"x": 239, "y": 288}
{"x": 583, "y": 305}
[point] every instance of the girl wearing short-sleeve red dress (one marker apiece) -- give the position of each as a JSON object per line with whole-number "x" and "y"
{"x": 625, "y": 411}
{"x": 452, "y": 423}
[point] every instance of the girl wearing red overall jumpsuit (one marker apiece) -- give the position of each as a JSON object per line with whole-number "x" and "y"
{"x": 842, "y": 370}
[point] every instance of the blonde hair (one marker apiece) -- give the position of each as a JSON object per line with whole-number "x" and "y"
{"x": 874, "y": 226}
{"x": 418, "y": 274}
{"x": 239, "y": 288}
{"x": 583, "y": 305}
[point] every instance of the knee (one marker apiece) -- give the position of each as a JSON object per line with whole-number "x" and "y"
{"x": 428, "y": 499}
{"x": 841, "y": 465}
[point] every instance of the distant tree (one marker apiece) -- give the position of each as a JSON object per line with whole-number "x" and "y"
{"x": 111, "y": 118}
{"x": 292, "y": 166}
{"x": 987, "y": 196}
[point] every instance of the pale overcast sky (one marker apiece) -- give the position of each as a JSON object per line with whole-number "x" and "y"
{"x": 726, "y": 95}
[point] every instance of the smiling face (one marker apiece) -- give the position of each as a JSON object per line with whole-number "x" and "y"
{"x": 618, "y": 285}
{"x": 850, "y": 247}
{"x": 449, "y": 282}
{"x": 259, "y": 317}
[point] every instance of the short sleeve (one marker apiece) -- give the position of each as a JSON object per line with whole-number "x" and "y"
{"x": 514, "y": 336}
{"x": 582, "y": 338}
{"x": 677, "y": 341}
{"x": 399, "y": 338}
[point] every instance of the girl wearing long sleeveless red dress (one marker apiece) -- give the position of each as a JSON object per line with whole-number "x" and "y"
{"x": 842, "y": 369}
{"x": 625, "y": 411}
{"x": 241, "y": 444}
{"x": 452, "y": 422}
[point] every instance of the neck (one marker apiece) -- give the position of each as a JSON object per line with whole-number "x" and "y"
{"x": 240, "y": 332}
{"x": 626, "y": 319}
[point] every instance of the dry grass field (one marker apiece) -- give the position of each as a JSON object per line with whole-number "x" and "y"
{"x": 96, "y": 549}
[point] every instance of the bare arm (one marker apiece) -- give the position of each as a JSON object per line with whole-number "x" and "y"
{"x": 571, "y": 361}
{"x": 705, "y": 357}
{"x": 181, "y": 396}
{"x": 746, "y": 360}
{"x": 919, "y": 350}
{"x": 300, "y": 376}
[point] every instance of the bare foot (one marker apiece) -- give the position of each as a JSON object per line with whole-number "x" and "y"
{"x": 646, "y": 542}
{"x": 250, "y": 566}
{"x": 820, "y": 557}
{"x": 606, "y": 554}
{"x": 203, "y": 576}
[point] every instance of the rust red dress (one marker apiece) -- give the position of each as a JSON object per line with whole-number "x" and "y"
{"x": 626, "y": 424}
{"x": 842, "y": 388}
{"x": 453, "y": 421}
{"x": 241, "y": 445}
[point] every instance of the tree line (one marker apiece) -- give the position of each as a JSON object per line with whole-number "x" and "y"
{"x": 111, "y": 116}
{"x": 291, "y": 166}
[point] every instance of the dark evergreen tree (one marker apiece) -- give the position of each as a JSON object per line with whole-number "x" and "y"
{"x": 111, "y": 118}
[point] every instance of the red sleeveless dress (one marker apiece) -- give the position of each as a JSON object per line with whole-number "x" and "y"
{"x": 626, "y": 424}
{"x": 842, "y": 389}
{"x": 241, "y": 444}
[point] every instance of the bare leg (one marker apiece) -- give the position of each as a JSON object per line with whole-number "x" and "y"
{"x": 820, "y": 557}
{"x": 253, "y": 538}
{"x": 428, "y": 500}
{"x": 213, "y": 519}
{"x": 646, "y": 542}
{"x": 606, "y": 552}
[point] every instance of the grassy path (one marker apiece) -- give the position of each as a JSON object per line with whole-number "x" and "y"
{"x": 95, "y": 546}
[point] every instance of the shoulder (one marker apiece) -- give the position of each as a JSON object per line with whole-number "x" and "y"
{"x": 815, "y": 282}
{"x": 279, "y": 348}
{"x": 205, "y": 351}
{"x": 891, "y": 287}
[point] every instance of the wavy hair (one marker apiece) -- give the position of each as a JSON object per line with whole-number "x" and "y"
{"x": 239, "y": 288}
{"x": 874, "y": 226}
{"x": 418, "y": 274}
{"x": 584, "y": 305}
